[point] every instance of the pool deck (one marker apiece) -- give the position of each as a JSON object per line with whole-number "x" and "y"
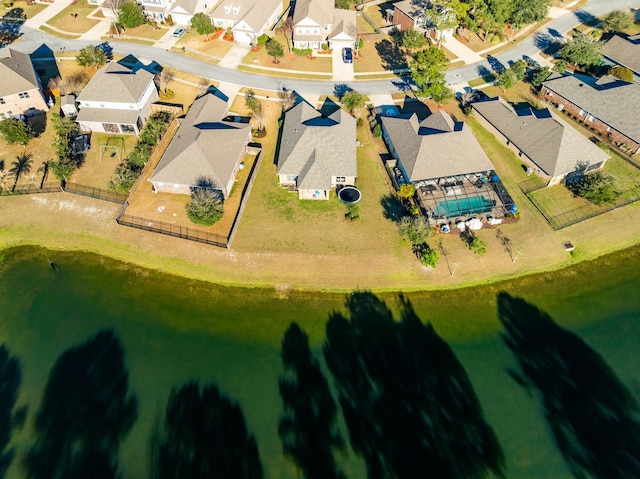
{"x": 430, "y": 194}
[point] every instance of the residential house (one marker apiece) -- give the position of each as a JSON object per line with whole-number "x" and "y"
{"x": 422, "y": 16}
{"x": 544, "y": 142}
{"x": 608, "y": 105}
{"x": 20, "y": 88}
{"x": 624, "y": 52}
{"x": 452, "y": 174}
{"x": 248, "y": 19}
{"x": 117, "y": 99}
{"x": 205, "y": 147}
{"x": 317, "y": 153}
{"x": 182, "y": 11}
{"x": 317, "y": 22}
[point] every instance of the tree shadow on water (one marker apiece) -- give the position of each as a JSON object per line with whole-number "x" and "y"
{"x": 10, "y": 379}
{"x": 85, "y": 413}
{"x": 205, "y": 436}
{"x": 592, "y": 414}
{"x": 408, "y": 403}
{"x": 308, "y": 428}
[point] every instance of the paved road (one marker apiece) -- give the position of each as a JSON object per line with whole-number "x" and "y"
{"x": 32, "y": 39}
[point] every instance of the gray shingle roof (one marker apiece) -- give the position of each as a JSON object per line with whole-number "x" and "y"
{"x": 617, "y": 103}
{"x": 254, "y": 13}
{"x": 315, "y": 148}
{"x": 204, "y": 145}
{"x": 116, "y": 83}
{"x": 344, "y": 21}
{"x": 16, "y": 72}
{"x": 623, "y": 52}
{"x": 549, "y": 142}
{"x": 436, "y": 148}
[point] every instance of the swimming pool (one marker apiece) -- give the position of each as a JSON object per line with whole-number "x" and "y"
{"x": 463, "y": 206}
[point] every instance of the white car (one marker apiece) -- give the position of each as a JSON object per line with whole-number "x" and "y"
{"x": 178, "y": 32}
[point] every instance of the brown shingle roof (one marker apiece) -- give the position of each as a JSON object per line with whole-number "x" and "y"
{"x": 116, "y": 83}
{"x": 315, "y": 148}
{"x": 549, "y": 142}
{"x": 623, "y": 52}
{"x": 616, "y": 103}
{"x": 204, "y": 146}
{"x": 438, "y": 147}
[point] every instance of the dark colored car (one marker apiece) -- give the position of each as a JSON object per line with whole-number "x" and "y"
{"x": 347, "y": 55}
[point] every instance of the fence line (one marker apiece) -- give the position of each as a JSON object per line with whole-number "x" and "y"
{"x": 169, "y": 229}
{"x": 243, "y": 199}
{"x": 581, "y": 213}
{"x": 370, "y": 21}
{"x": 93, "y": 192}
{"x": 32, "y": 189}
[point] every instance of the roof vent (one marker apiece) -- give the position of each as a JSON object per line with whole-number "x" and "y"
{"x": 580, "y": 84}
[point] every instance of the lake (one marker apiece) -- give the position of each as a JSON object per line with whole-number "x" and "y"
{"x": 174, "y": 330}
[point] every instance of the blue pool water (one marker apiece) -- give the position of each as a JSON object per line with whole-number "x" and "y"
{"x": 463, "y": 206}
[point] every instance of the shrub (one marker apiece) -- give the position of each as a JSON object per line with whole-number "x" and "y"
{"x": 303, "y": 52}
{"x": 205, "y": 207}
{"x": 429, "y": 257}
{"x": 474, "y": 243}
{"x": 16, "y": 131}
{"x": 124, "y": 177}
{"x": 263, "y": 39}
{"x": 353, "y": 213}
{"x": 377, "y": 131}
{"x": 415, "y": 228}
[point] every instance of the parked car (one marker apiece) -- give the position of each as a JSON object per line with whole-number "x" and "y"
{"x": 530, "y": 61}
{"x": 178, "y": 32}
{"x": 347, "y": 55}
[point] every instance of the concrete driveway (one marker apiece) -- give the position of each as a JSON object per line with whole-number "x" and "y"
{"x": 341, "y": 71}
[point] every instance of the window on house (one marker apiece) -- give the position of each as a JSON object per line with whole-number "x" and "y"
{"x": 2, "y": 102}
{"x": 326, "y": 26}
{"x": 591, "y": 118}
{"x": 127, "y": 129}
{"x": 236, "y": 10}
{"x": 24, "y": 94}
{"x": 291, "y": 177}
{"x": 111, "y": 128}
{"x": 582, "y": 112}
{"x": 340, "y": 179}
{"x": 608, "y": 128}
{"x": 227, "y": 9}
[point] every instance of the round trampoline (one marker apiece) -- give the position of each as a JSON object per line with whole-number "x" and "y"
{"x": 349, "y": 195}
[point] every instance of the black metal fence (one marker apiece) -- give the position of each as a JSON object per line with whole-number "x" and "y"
{"x": 94, "y": 192}
{"x": 32, "y": 189}
{"x": 172, "y": 230}
{"x": 577, "y": 215}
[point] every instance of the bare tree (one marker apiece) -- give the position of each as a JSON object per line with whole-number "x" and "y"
{"x": 288, "y": 98}
{"x": 287, "y": 30}
{"x": 167, "y": 75}
{"x": 6, "y": 179}
{"x": 508, "y": 246}
{"x": 259, "y": 117}
{"x": 114, "y": 5}
{"x": 73, "y": 83}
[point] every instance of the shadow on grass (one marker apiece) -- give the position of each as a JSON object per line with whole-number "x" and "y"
{"x": 406, "y": 399}
{"x": 205, "y": 436}
{"x": 391, "y": 55}
{"x": 592, "y": 414}
{"x": 10, "y": 379}
{"x": 392, "y": 207}
{"x": 308, "y": 428}
{"x": 85, "y": 413}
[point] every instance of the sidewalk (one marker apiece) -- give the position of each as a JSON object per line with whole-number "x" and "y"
{"x": 51, "y": 11}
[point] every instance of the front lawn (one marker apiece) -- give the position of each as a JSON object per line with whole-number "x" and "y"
{"x": 290, "y": 61}
{"x": 73, "y": 19}
{"x": 145, "y": 31}
{"x": 215, "y": 47}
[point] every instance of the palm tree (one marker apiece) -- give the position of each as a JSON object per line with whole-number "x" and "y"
{"x": 22, "y": 165}
{"x": 5, "y": 179}
{"x": 44, "y": 169}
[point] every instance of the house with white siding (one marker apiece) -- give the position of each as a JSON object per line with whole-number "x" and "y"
{"x": 248, "y": 19}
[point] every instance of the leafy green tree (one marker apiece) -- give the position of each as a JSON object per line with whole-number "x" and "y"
{"x": 560, "y": 66}
{"x": 16, "y": 131}
{"x": 412, "y": 40}
{"x": 428, "y": 67}
{"x": 524, "y": 12}
{"x": 519, "y": 68}
{"x": 206, "y": 206}
{"x": 201, "y": 23}
{"x": 124, "y": 177}
{"x": 251, "y": 101}
{"x": 582, "y": 50}
{"x": 23, "y": 164}
{"x": 91, "y": 56}
{"x": 415, "y": 228}
{"x": 474, "y": 243}
{"x": 354, "y": 101}
{"x": 506, "y": 79}
{"x": 344, "y": 4}
{"x": 275, "y": 50}
{"x": 617, "y": 21}
{"x": 63, "y": 168}
{"x": 622, "y": 72}
{"x": 429, "y": 257}
{"x": 131, "y": 14}
{"x": 540, "y": 75}
{"x": 594, "y": 187}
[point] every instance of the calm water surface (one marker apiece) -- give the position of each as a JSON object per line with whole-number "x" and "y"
{"x": 174, "y": 330}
